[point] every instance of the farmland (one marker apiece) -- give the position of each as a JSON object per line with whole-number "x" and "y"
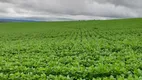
{"x": 83, "y": 50}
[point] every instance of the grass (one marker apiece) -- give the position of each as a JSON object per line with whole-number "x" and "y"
{"x": 98, "y": 50}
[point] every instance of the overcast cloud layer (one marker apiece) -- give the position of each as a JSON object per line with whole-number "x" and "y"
{"x": 73, "y": 9}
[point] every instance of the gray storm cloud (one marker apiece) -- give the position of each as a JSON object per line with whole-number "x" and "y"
{"x": 75, "y": 9}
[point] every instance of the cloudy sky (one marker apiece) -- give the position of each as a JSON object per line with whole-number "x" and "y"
{"x": 72, "y": 9}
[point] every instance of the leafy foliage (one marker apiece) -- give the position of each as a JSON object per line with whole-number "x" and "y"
{"x": 76, "y": 50}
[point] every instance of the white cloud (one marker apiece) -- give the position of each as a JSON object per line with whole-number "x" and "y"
{"x": 75, "y": 9}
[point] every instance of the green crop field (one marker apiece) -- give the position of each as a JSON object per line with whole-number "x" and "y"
{"x": 72, "y": 50}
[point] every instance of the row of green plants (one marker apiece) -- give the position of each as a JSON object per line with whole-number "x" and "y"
{"x": 85, "y": 50}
